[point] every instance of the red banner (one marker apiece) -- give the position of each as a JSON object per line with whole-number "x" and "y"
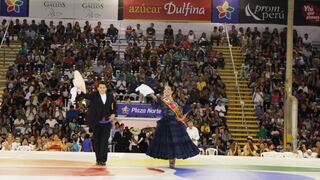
{"x": 179, "y": 10}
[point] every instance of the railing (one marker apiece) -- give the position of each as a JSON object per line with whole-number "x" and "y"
{"x": 243, "y": 119}
{"x": 2, "y": 41}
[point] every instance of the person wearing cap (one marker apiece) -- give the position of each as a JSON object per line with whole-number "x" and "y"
{"x": 249, "y": 148}
{"x": 193, "y": 133}
{"x": 101, "y": 113}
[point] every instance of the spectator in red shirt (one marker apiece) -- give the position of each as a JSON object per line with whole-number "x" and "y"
{"x": 69, "y": 61}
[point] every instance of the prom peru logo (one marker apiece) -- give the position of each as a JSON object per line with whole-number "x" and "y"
{"x": 225, "y": 11}
{"x": 271, "y": 11}
{"x": 16, "y": 8}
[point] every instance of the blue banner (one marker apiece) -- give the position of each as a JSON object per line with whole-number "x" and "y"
{"x": 137, "y": 110}
{"x": 15, "y": 8}
{"x": 225, "y": 11}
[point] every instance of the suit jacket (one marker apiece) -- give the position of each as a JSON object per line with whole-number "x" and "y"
{"x": 97, "y": 110}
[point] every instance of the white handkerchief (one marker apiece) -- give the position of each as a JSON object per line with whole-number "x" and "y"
{"x": 78, "y": 81}
{"x": 144, "y": 90}
{"x": 73, "y": 92}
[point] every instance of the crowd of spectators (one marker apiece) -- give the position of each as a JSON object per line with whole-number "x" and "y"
{"x": 36, "y": 101}
{"x": 264, "y": 67}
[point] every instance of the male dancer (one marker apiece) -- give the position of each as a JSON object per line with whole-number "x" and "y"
{"x": 100, "y": 115}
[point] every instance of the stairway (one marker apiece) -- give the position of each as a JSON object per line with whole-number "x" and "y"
{"x": 240, "y": 129}
{"x": 7, "y": 58}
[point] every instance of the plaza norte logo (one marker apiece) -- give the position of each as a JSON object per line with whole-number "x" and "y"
{"x": 14, "y": 5}
{"x": 271, "y": 11}
{"x": 225, "y": 10}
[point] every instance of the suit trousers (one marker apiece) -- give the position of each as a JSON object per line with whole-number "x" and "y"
{"x": 101, "y": 134}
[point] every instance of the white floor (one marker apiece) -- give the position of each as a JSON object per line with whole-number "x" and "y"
{"x": 81, "y": 166}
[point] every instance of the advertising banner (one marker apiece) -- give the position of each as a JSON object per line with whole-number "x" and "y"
{"x": 15, "y": 8}
{"x": 225, "y": 11}
{"x": 55, "y": 9}
{"x": 96, "y": 9}
{"x": 307, "y": 12}
{"x": 74, "y": 9}
{"x": 137, "y": 110}
{"x": 167, "y": 10}
{"x": 262, "y": 11}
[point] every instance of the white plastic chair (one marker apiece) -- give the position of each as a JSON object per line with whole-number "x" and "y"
{"x": 211, "y": 151}
{"x": 201, "y": 151}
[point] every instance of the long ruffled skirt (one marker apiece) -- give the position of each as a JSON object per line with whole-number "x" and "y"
{"x": 171, "y": 141}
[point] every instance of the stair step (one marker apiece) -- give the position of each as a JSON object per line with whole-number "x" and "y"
{"x": 241, "y": 89}
{"x": 244, "y": 134}
{"x": 239, "y": 117}
{"x": 236, "y": 96}
{"x": 244, "y": 100}
{"x": 238, "y": 104}
{"x": 227, "y": 47}
{"x": 231, "y": 121}
{"x": 227, "y": 50}
{"x": 243, "y": 130}
{"x": 230, "y": 80}
{"x": 239, "y": 113}
{"x": 245, "y": 139}
{"x": 9, "y": 56}
{"x": 236, "y": 93}
{"x": 240, "y": 109}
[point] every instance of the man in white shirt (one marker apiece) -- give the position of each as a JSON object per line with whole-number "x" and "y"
{"x": 19, "y": 124}
{"x": 51, "y": 122}
{"x": 193, "y": 133}
{"x": 220, "y": 108}
{"x": 306, "y": 40}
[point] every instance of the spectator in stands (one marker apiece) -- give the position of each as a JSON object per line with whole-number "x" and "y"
{"x": 55, "y": 144}
{"x": 19, "y": 124}
{"x": 121, "y": 85}
{"x": 121, "y": 140}
{"x": 112, "y": 33}
{"x": 17, "y": 142}
{"x": 220, "y": 108}
{"x": 138, "y": 34}
{"x": 129, "y": 33}
{"x": 46, "y": 130}
{"x": 179, "y": 37}
{"x": 25, "y": 146}
{"x": 234, "y": 149}
{"x": 191, "y": 37}
{"x": 233, "y": 35}
{"x": 215, "y": 36}
{"x": 7, "y": 144}
{"x": 193, "y": 133}
{"x": 168, "y": 34}
{"x": 51, "y": 121}
{"x": 249, "y": 148}
{"x": 151, "y": 33}
{"x": 87, "y": 144}
{"x": 72, "y": 113}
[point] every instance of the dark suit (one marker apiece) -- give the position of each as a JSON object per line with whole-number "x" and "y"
{"x": 101, "y": 131}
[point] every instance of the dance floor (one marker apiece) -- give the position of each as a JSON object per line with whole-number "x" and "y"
{"x": 81, "y": 166}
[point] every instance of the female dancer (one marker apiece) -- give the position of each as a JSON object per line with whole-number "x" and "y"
{"x": 170, "y": 140}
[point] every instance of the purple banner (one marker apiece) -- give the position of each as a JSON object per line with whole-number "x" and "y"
{"x": 225, "y": 11}
{"x": 138, "y": 110}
